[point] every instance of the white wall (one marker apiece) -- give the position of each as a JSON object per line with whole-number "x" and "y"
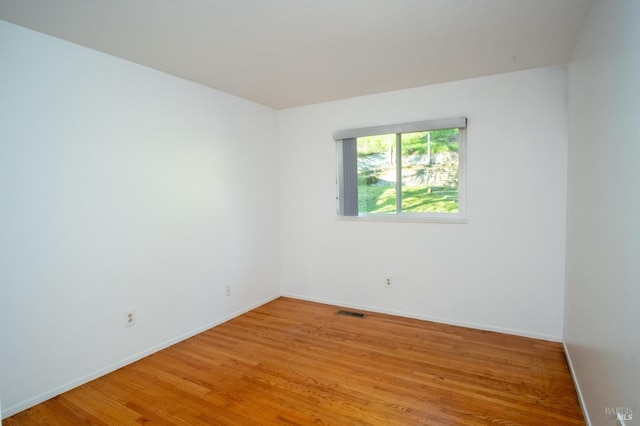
{"x": 602, "y": 311}
{"x": 121, "y": 187}
{"x": 504, "y": 270}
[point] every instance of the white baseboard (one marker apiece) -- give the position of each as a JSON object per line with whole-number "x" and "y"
{"x": 108, "y": 369}
{"x": 14, "y": 409}
{"x": 585, "y": 413}
{"x": 428, "y": 318}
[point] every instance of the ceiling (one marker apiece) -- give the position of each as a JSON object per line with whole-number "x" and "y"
{"x": 287, "y": 53}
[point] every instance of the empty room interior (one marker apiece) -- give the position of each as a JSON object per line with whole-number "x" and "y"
{"x": 191, "y": 192}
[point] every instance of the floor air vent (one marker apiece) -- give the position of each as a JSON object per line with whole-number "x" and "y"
{"x": 351, "y": 314}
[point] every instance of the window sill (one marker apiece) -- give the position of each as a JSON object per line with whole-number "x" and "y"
{"x": 406, "y": 217}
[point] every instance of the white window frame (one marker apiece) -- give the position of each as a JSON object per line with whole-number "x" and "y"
{"x": 347, "y": 190}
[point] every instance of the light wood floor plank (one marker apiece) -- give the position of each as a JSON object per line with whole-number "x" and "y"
{"x": 292, "y": 362}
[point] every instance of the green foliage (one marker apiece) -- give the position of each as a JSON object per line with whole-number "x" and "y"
{"x": 375, "y": 144}
{"x": 376, "y": 161}
{"x": 425, "y": 199}
{"x": 412, "y": 143}
{"x": 376, "y": 199}
{"x": 430, "y": 199}
{"x": 441, "y": 141}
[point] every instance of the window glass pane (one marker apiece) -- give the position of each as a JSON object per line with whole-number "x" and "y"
{"x": 377, "y": 174}
{"x": 430, "y": 171}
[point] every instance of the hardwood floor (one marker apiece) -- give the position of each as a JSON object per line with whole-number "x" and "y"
{"x": 298, "y": 363}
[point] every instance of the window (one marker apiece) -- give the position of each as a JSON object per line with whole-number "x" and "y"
{"x": 410, "y": 171}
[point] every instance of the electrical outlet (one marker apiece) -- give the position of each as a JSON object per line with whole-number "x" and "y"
{"x": 130, "y": 318}
{"x": 227, "y": 291}
{"x": 388, "y": 282}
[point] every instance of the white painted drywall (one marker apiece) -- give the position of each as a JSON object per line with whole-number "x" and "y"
{"x": 121, "y": 188}
{"x": 504, "y": 270}
{"x": 602, "y": 302}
